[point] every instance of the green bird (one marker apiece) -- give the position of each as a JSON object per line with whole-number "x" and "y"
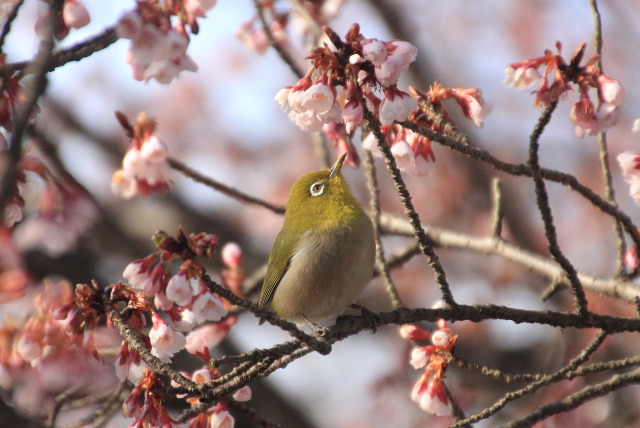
{"x": 323, "y": 257}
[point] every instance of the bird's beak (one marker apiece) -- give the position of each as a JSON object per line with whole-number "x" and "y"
{"x": 335, "y": 169}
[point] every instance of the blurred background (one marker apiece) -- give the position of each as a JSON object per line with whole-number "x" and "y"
{"x": 224, "y": 122}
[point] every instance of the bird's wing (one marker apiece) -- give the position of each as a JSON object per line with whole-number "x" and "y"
{"x": 278, "y": 264}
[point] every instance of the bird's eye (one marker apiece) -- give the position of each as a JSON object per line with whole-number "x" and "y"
{"x": 316, "y": 188}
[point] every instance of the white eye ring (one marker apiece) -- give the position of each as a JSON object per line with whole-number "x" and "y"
{"x": 317, "y": 188}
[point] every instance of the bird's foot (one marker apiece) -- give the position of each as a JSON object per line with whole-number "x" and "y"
{"x": 317, "y": 329}
{"x": 370, "y": 317}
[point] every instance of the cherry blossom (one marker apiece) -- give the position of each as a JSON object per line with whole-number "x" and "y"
{"x": 208, "y": 307}
{"x": 630, "y": 164}
{"x": 158, "y": 51}
{"x": 232, "y": 254}
{"x": 391, "y": 59}
{"x": 473, "y": 105}
{"x": 179, "y": 290}
{"x": 74, "y": 14}
{"x": 221, "y": 419}
{"x": 610, "y": 90}
{"x": 128, "y": 364}
{"x": 165, "y": 341}
{"x": 631, "y": 260}
{"x": 396, "y": 105}
{"x": 431, "y": 396}
{"x": 520, "y": 76}
{"x": 310, "y": 106}
{"x": 243, "y": 394}
{"x": 144, "y": 167}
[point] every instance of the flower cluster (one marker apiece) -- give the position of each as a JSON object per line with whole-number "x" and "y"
{"x": 144, "y": 167}
{"x": 429, "y": 391}
{"x": 216, "y": 416}
{"x": 412, "y": 151}
{"x": 630, "y": 164}
{"x": 254, "y": 36}
{"x": 317, "y": 100}
{"x": 555, "y": 82}
{"x": 73, "y": 15}
{"x": 145, "y": 403}
{"x": 64, "y": 215}
{"x": 38, "y": 352}
{"x": 158, "y": 46}
{"x": 363, "y": 73}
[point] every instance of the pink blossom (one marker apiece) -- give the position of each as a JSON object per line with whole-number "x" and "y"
{"x": 144, "y": 168}
{"x": 154, "y": 53}
{"x": 405, "y": 157}
{"x": 583, "y": 115}
{"x": 400, "y": 55}
{"x": 232, "y": 254}
{"x": 179, "y": 290}
{"x": 520, "y": 77}
{"x": 74, "y": 14}
{"x": 198, "y": 8}
{"x": 413, "y": 332}
{"x": 431, "y": 396}
{"x": 243, "y": 394}
{"x": 29, "y": 234}
{"x": 12, "y": 214}
{"x": 202, "y": 375}
{"x": 374, "y": 50}
{"x": 187, "y": 320}
{"x": 160, "y": 300}
{"x": 473, "y": 105}
{"x": 165, "y": 341}
{"x": 630, "y": 164}
{"x": 440, "y": 338}
{"x": 631, "y": 260}
{"x": 138, "y": 270}
{"x": 208, "y": 307}
{"x": 636, "y": 126}
{"x": 312, "y": 107}
{"x": 128, "y": 364}
{"x": 371, "y": 143}
{"x": 197, "y": 344}
{"x": 396, "y": 105}
{"x": 420, "y": 356}
{"x": 221, "y": 419}
{"x": 610, "y": 90}
{"x": 352, "y": 115}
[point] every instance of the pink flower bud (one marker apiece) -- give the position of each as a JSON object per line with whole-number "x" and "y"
{"x": 440, "y": 338}
{"x": 74, "y": 14}
{"x": 232, "y": 255}
{"x": 611, "y": 91}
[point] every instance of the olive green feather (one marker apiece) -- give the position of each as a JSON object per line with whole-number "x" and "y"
{"x": 278, "y": 264}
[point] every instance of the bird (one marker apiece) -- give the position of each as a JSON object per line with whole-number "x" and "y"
{"x": 323, "y": 258}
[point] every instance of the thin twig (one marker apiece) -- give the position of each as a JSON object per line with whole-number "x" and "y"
{"x": 574, "y": 400}
{"x": 542, "y": 200}
{"x": 496, "y": 207}
{"x": 568, "y": 180}
{"x": 490, "y": 245}
{"x": 229, "y": 191}
{"x": 74, "y": 53}
{"x": 534, "y": 386}
{"x": 383, "y": 269}
{"x": 425, "y": 244}
{"x": 25, "y": 109}
{"x": 609, "y": 194}
{"x": 282, "y": 52}
{"x": 11, "y": 16}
